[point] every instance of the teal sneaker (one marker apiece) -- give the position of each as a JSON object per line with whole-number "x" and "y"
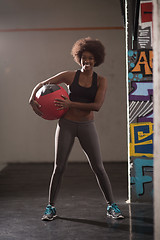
{"x": 114, "y": 212}
{"x": 49, "y": 214}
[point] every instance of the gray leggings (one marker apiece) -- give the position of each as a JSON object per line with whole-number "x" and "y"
{"x": 64, "y": 138}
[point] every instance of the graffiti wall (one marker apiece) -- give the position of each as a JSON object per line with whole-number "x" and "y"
{"x": 140, "y": 64}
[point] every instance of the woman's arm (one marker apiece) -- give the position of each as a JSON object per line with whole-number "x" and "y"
{"x": 95, "y": 106}
{"x": 63, "y": 77}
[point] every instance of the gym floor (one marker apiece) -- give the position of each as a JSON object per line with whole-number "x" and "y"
{"x": 80, "y": 205}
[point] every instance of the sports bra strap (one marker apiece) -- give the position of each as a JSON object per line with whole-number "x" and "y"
{"x": 94, "y": 82}
{"x": 77, "y": 76}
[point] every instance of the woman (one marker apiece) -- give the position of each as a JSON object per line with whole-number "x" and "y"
{"x": 86, "y": 95}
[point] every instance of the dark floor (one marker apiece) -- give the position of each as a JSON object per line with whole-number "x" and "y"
{"x": 80, "y": 206}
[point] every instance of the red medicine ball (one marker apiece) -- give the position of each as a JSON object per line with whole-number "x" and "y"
{"x": 45, "y": 96}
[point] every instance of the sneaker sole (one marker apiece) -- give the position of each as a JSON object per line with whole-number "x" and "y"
{"x": 48, "y": 219}
{"x": 119, "y": 217}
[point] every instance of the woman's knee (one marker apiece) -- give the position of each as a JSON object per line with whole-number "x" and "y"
{"x": 99, "y": 170}
{"x": 59, "y": 169}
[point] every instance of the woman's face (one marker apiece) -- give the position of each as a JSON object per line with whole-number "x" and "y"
{"x": 87, "y": 60}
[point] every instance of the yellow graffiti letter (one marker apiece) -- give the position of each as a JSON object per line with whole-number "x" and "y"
{"x": 142, "y": 61}
{"x": 151, "y": 58}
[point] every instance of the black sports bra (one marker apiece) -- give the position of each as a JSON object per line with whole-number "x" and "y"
{"x": 79, "y": 93}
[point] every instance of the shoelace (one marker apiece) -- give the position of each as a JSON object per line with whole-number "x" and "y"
{"x": 115, "y": 207}
{"x": 48, "y": 210}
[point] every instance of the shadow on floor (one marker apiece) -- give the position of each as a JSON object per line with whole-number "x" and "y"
{"x": 80, "y": 205}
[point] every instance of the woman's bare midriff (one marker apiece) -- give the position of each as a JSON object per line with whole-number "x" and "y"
{"x": 79, "y": 115}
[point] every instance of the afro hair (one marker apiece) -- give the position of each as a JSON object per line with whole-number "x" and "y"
{"x": 88, "y": 44}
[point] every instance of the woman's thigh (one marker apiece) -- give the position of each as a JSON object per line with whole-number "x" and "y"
{"x": 64, "y": 139}
{"x": 89, "y": 141}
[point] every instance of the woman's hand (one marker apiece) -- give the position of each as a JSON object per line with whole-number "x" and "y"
{"x": 36, "y": 107}
{"x": 62, "y": 103}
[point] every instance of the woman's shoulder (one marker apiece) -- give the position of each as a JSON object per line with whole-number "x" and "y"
{"x": 101, "y": 80}
{"x": 68, "y": 76}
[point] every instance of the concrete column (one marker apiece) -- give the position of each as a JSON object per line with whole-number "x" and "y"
{"x": 156, "y": 80}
